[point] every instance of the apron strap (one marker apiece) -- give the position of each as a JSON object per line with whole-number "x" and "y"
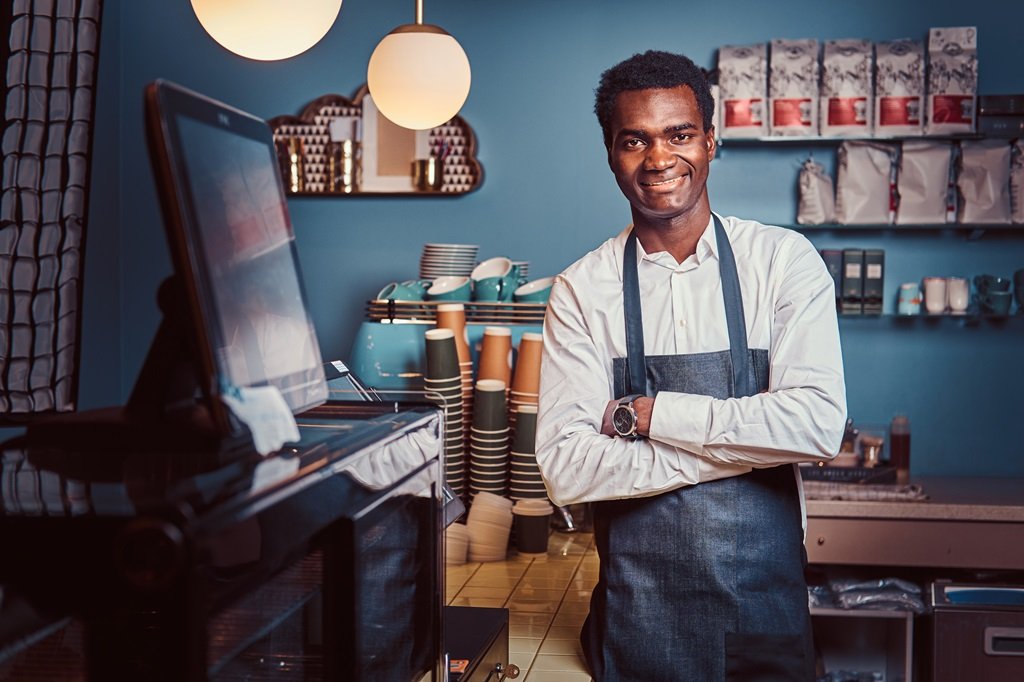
{"x": 741, "y": 384}
{"x": 636, "y": 362}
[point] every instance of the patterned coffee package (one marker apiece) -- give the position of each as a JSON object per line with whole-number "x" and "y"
{"x": 984, "y": 181}
{"x": 817, "y": 204}
{"x": 846, "y": 106}
{"x": 793, "y": 87}
{"x": 923, "y": 181}
{"x": 899, "y": 88}
{"x": 952, "y": 80}
{"x": 865, "y": 183}
{"x": 743, "y": 90}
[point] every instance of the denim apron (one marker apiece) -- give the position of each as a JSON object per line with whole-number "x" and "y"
{"x": 705, "y": 582}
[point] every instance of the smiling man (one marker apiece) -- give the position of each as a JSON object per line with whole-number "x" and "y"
{"x": 689, "y": 363}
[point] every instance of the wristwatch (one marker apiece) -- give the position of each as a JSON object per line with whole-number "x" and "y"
{"x": 624, "y": 419}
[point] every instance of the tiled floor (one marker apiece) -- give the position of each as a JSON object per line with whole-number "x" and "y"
{"x": 548, "y": 596}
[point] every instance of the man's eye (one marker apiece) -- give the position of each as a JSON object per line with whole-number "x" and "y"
{"x": 683, "y": 137}
{"x": 634, "y": 143}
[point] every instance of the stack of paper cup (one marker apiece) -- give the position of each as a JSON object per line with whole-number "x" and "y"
{"x": 526, "y": 481}
{"x": 443, "y": 385}
{"x": 489, "y": 524}
{"x": 526, "y": 380}
{"x": 488, "y": 439}
{"x": 453, "y": 316}
{"x": 456, "y": 544}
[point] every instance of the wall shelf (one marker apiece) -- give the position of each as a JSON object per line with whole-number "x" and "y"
{"x": 385, "y": 151}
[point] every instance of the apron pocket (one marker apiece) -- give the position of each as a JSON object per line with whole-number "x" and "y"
{"x": 751, "y": 657}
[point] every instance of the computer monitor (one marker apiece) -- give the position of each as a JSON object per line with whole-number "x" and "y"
{"x": 233, "y": 249}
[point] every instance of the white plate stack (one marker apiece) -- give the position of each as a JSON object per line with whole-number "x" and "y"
{"x": 441, "y": 260}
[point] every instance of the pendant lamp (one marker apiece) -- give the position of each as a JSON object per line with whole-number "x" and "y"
{"x": 267, "y": 29}
{"x": 418, "y": 75}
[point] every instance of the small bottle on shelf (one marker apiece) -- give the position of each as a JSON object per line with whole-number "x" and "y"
{"x": 899, "y": 447}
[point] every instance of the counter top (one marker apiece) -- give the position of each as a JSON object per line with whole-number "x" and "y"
{"x": 971, "y": 523}
{"x": 949, "y": 498}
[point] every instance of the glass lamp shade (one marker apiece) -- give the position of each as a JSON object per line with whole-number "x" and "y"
{"x": 418, "y": 76}
{"x": 267, "y": 29}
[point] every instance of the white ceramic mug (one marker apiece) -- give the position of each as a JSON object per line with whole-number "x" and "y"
{"x": 958, "y": 294}
{"x": 935, "y": 295}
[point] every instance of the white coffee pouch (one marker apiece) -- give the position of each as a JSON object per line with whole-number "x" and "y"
{"x": 743, "y": 90}
{"x": 899, "y": 88}
{"x": 793, "y": 87}
{"x": 1017, "y": 182}
{"x": 923, "y": 182}
{"x": 846, "y": 102}
{"x": 952, "y": 80}
{"x": 817, "y": 195}
{"x": 865, "y": 183}
{"x": 984, "y": 181}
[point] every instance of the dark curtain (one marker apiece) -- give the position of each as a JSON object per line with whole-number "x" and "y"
{"x": 50, "y": 60}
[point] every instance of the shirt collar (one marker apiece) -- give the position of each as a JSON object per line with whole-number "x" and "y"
{"x": 707, "y": 247}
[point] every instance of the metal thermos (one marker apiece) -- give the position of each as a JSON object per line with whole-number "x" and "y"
{"x": 899, "y": 447}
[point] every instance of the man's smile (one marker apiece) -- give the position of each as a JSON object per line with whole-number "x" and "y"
{"x": 664, "y": 183}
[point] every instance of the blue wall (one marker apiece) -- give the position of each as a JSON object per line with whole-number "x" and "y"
{"x": 548, "y": 195}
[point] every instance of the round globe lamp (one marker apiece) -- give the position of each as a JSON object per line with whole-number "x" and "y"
{"x": 267, "y": 30}
{"x": 419, "y": 75}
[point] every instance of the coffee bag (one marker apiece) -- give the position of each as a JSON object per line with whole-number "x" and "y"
{"x": 743, "y": 90}
{"x": 865, "y": 183}
{"x": 846, "y": 100}
{"x": 923, "y": 181}
{"x": 793, "y": 87}
{"x": 817, "y": 195}
{"x": 899, "y": 88}
{"x": 984, "y": 181}
{"x": 1017, "y": 182}
{"x": 952, "y": 80}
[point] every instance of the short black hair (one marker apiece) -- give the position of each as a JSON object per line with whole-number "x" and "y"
{"x": 653, "y": 69}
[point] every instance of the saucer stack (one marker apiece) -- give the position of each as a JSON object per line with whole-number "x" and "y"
{"x": 488, "y": 440}
{"x": 524, "y": 268}
{"x": 526, "y": 482}
{"x": 526, "y": 380}
{"x": 440, "y": 260}
{"x": 443, "y": 385}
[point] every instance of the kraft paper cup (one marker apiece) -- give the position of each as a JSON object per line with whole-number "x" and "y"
{"x": 496, "y": 354}
{"x": 442, "y": 356}
{"x": 450, "y": 288}
{"x": 453, "y": 316}
{"x": 527, "y": 374}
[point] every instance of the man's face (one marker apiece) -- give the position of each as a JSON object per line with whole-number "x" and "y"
{"x": 660, "y": 152}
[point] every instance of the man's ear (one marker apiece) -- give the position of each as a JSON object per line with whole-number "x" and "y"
{"x": 712, "y": 143}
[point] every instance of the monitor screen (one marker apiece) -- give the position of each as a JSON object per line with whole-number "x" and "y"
{"x": 233, "y": 248}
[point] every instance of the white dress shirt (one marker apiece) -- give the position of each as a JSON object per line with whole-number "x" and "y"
{"x": 789, "y": 309}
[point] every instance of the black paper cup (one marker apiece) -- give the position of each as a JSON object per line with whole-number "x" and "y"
{"x": 442, "y": 355}
{"x": 489, "y": 407}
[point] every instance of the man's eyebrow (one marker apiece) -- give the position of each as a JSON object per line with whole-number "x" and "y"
{"x": 681, "y": 126}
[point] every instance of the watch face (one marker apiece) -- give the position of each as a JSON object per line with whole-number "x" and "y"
{"x": 623, "y": 420}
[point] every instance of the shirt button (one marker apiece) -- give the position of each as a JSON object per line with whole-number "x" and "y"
{"x": 682, "y": 323}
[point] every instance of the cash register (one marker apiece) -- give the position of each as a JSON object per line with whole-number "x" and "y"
{"x": 156, "y": 539}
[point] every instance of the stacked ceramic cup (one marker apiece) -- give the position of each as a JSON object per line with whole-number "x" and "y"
{"x": 488, "y": 440}
{"x": 526, "y": 380}
{"x": 443, "y": 385}
{"x": 526, "y": 481}
{"x": 489, "y": 524}
{"x": 453, "y": 316}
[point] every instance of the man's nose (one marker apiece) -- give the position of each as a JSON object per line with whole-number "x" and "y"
{"x": 659, "y": 157}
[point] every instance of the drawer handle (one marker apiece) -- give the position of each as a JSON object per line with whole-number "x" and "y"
{"x": 1004, "y": 641}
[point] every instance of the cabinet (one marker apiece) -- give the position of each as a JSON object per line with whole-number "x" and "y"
{"x": 865, "y": 641}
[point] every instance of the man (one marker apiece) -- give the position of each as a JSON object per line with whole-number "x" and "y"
{"x": 684, "y": 428}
